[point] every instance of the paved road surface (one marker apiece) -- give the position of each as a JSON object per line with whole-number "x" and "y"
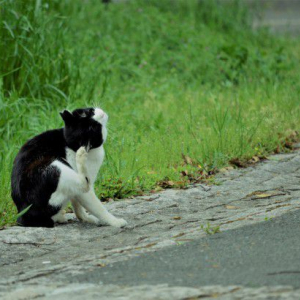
{"x": 265, "y": 254}
{"x": 281, "y": 16}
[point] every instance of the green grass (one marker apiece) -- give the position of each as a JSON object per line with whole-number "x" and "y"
{"x": 187, "y": 85}
{"x": 209, "y": 230}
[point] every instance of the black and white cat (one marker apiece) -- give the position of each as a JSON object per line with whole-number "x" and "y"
{"x": 59, "y": 166}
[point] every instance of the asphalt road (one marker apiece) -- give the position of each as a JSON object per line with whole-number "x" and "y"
{"x": 281, "y": 16}
{"x": 258, "y": 255}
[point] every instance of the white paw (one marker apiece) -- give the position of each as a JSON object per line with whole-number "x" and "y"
{"x": 81, "y": 157}
{"x": 62, "y": 218}
{"x": 118, "y": 223}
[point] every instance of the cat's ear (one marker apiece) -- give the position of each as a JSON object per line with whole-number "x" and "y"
{"x": 67, "y": 116}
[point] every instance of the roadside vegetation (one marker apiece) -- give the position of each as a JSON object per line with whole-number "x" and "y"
{"x": 188, "y": 86}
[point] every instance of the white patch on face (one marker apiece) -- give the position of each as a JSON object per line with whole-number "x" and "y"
{"x": 101, "y": 117}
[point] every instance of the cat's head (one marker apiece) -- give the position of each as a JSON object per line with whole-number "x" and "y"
{"x": 85, "y": 127}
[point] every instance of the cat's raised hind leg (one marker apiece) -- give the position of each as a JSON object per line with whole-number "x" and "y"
{"x": 71, "y": 183}
{"x": 81, "y": 158}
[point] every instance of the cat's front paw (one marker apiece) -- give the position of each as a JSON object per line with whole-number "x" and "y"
{"x": 61, "y": 217}
{"x": 118, "y": 223}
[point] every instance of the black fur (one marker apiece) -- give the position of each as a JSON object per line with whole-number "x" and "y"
{"x": 33, "y": 178}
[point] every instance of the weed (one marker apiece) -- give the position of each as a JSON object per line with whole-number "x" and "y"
{"x": 208, "y": 229}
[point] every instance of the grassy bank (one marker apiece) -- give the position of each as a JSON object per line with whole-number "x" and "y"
{"x": 187, "y": 85}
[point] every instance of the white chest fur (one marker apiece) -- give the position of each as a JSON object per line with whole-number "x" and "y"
{"x": 93, "y": 164}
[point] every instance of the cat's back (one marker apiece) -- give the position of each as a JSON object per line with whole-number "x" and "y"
{"x": 38, "y": 153}
{"x": 47, "y": 144}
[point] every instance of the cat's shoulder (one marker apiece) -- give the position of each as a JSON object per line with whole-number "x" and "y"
{"x": 49, "y": 143}
{"x": 53, "y": 137}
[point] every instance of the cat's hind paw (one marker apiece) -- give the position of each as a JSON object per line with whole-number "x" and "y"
{"x": 81, "y": 158}
{"x": 118, "y": 223}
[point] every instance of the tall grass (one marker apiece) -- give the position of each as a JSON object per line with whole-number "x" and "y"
{"x": 179, "y": 79}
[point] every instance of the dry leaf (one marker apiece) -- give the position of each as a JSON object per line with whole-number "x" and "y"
{"x": 293, "y": 135}
{"x": 261, "y": 196}
{"x": 149, "y": 245}
{"x": 184, "y": 173}
{"x": 226, "y": 169}
{"x": 288, "y": 144}
{"x": 278, "y": 206}
{"x": 101, "y": 265}
{"x": 277, "y": 150}
{"x": 179, "y": 235}
{"x": 177, "y": 218}
{"x": 239, "y": 163}
{"x": 183, "y": 240}
{"x": 255, "y": 159}
{"x": 166, "y": 183}
{"x": 239, "y": 219}
{"x": 187, "y": 160}
{"x": 231, "y": 207}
